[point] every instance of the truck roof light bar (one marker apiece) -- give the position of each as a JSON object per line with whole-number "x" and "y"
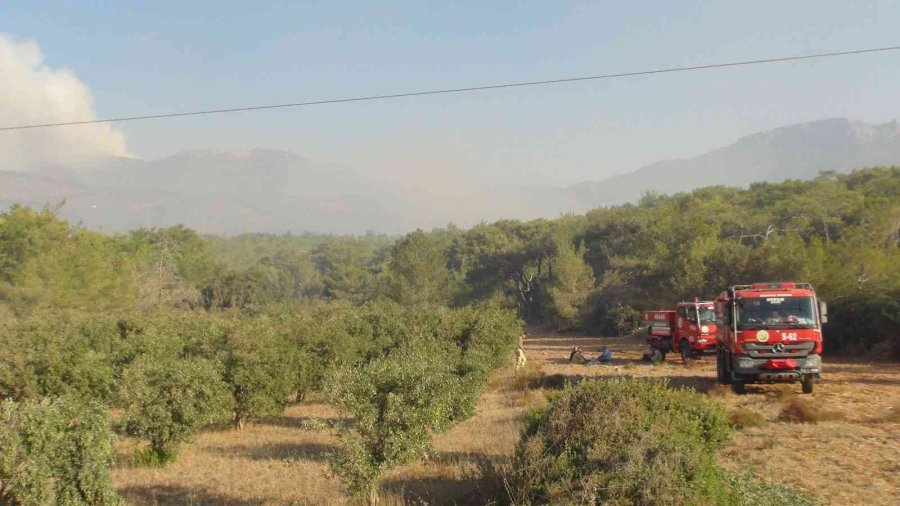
{"x": 772, "y": 286}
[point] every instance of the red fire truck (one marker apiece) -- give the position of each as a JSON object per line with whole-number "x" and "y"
{"x": 768, "y": 333}
{"x": 689, "y": 330}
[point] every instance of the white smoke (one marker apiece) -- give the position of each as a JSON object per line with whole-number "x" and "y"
{"x": 33, "y": 93}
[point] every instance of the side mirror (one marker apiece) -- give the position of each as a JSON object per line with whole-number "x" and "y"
{"x": 823, "y": 311}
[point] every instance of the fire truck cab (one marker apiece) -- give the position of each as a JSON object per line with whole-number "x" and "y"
{"x": 689, "y": 330}
{"x": 769, "y": 333}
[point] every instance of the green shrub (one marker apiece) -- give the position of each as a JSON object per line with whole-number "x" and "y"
{"x": 488, "y": 336}
{"x": 324, "y": 338}
{"x": 397, "y": 403}
{"x": 623, "y": 441}
{"x": 55, "y": 451}
{"x": 865, "y": 322}
{"x": 751, "y": 491}
{"x": 52, "y": 356}
{"x": 169, "y": 333}
{"x": 167, "y": 400}
{"x": 258, "y": 367}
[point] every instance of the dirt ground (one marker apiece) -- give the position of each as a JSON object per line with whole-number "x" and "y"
{"x": 853, "y": 458}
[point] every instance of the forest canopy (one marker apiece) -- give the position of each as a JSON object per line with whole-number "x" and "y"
{"x": 595, "y": 272}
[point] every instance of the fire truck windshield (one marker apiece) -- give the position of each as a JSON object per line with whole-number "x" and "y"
{"x": 776, "y": 312}
{"x": 707, "y": 314}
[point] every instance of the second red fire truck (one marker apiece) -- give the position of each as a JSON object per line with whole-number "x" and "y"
{"x": 689, "y": 329}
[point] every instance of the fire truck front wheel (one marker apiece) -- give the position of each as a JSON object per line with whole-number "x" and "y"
{"x": 807, "y": 384}
{"x": 685, "y": 351}
{"x": 722, "y": 372}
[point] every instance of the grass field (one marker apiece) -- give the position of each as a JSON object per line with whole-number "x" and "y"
{"x": 841, "y": 443}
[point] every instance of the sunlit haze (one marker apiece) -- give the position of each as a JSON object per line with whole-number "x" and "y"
{"x": 171, "y": 56}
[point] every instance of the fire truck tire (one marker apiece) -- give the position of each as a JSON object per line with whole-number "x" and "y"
{"x": 685, "y": 352}
{"x": 739, "y": 387}
{"x": 722, "y": 373}
{"x": 807, "y": 385}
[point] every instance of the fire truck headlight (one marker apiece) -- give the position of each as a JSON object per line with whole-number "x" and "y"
{"x": 704, "y": 329}
{"x": 812, "y": 362}
{"x": 744, "y": 363}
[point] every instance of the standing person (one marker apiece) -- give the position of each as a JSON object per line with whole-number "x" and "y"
{"x": 522, "y": 337}
{"x": 520, "y": 359}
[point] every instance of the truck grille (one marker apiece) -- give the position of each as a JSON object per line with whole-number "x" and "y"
{"x": 757, "y": 350}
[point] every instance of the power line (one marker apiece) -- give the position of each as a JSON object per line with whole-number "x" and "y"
{"x": 459, "y": 90}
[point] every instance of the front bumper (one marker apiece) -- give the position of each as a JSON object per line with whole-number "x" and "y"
{"x": 704, "y": 346}
{"x": 747, "y": 368}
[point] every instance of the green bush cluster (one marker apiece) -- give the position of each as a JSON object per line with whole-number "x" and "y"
{"x": 863, "y": 322}
{"x": 167, "y": 400}
{"x": 173, "y": 372}
{"x": 751, "y": 491}
{"x": 633, "y": 442}
{"x": 624, "y": 441}
{"x": 397, "y": 404}
{"x": 47, "y": 355}
{"x": 55, "y": 451}
{"x": 429, "y": 380}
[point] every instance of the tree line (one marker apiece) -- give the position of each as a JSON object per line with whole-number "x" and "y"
{"x": 592, "y": 272}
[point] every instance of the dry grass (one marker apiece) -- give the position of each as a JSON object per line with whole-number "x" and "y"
{"x": 525, "y": 378}
{"x": 554, "y": 381}
{"x": 797, "y": 410}
{"x": 719, "y": 391}
{"x": 283, "y": 461}
{"x": 742, "y": 418}
{"x": 890, "y": 415}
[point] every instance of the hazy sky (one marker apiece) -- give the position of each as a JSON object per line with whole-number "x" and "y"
{"x": 167, "y": 56}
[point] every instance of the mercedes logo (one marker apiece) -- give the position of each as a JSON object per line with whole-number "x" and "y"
{"x": 778, "y": 348}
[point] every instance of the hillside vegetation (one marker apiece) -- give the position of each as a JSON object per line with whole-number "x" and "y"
{"x": 588, "y": 272}
{"x": 172, "y": 332}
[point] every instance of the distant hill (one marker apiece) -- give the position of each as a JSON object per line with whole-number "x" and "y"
{"x": 214, "y": 191}
{"x": 791, "y": 152}
{"x": 231, "y": 191}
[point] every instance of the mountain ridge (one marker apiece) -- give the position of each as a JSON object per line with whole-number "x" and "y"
{"x": 799, "y": 151}
{"x": 269, "y": 190}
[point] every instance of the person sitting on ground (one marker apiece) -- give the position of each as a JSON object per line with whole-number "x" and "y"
{"x": 605, "y": 355}
{"x": 576, "y": 356}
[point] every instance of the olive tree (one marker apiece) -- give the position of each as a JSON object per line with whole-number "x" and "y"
{"x": 398, "y": 403}
{"x": 48, "y": 355}
{"x": 258, "y": 368}
{"x": 168, "y": 399}
{"x": 55, "y": 451}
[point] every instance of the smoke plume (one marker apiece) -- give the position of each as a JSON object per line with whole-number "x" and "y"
{"x": 32, "y": 93}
